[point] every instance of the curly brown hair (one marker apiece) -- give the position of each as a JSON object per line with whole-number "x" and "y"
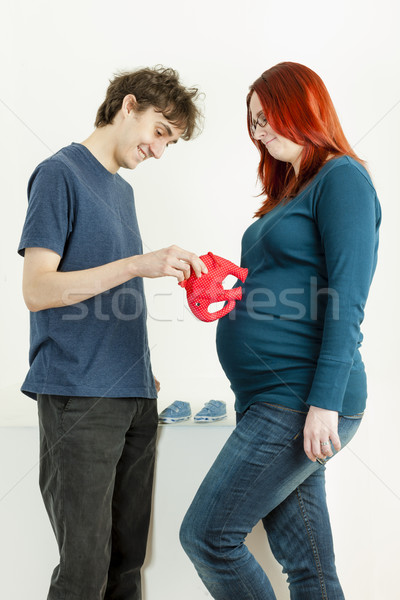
{"x": 156, "y": 87}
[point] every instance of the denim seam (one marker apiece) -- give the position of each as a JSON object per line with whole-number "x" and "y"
{"x": 313, "y": 545}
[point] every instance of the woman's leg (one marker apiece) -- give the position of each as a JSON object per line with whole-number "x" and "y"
{"x": 260, "y": 465}
{"x": 300, "y": 537}
{"x": 302, "y": 522}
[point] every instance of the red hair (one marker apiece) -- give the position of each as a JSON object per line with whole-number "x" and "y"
{"x": 298, "y": 107}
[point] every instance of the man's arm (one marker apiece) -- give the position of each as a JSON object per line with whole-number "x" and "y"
{"x": 45, "y": 287}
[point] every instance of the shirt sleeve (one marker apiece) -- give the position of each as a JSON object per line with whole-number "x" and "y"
{"x": 50, "y": 209}
{"x": 348, "y": 216}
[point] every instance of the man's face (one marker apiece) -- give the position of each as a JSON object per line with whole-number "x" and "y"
{"x": 143, "y": 135}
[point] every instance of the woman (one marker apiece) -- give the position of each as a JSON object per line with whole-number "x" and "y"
{"x": 291, "y": 347}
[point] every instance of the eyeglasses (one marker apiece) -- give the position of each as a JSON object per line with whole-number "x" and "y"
{"x": 260, "y": 121}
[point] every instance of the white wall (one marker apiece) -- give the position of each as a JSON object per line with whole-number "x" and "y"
{"x": 56, "y": 61}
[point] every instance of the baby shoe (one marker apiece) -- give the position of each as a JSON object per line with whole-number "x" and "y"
{"x": 214, "y": 410}
{"x": 175, "y": 412}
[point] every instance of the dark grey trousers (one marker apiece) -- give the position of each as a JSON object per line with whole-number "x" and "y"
{"x": 96, "y": 477}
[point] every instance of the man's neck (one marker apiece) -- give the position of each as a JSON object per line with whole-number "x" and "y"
{"x": 101, "y": 144}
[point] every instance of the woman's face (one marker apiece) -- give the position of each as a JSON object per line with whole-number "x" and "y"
{"x": 278, "y": 146}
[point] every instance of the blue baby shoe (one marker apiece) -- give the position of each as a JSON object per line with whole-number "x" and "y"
{"x": 175, "y": 412}
{"x": 214, "y": 410}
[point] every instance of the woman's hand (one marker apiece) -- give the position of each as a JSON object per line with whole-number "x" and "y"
{"x": 320, "y": 429}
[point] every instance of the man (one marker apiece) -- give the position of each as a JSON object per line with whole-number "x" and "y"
{"x": 89, "y": 358}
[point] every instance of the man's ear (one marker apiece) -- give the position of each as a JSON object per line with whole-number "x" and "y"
{"x": 129, "y": 104}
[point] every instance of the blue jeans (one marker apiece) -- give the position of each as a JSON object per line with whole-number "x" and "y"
{"x": 96, "y": 477}
{"x": 263, "y": 473}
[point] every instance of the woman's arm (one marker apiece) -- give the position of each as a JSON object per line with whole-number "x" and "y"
{"x": 348, "y": 216}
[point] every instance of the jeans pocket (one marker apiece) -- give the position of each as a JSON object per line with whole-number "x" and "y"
{"x": 64, "y": 412}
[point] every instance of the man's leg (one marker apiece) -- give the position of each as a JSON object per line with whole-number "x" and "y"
{"x": 132, "y": 504}
{"x": 82, "y": 440}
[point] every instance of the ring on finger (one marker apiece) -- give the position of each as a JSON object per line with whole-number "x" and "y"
{"x": 325, "y": 447}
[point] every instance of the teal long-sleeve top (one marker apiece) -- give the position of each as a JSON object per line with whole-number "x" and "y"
{"x": 294, "y": 338}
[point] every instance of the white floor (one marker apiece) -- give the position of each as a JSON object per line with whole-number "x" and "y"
{"x": 28, "y": 551}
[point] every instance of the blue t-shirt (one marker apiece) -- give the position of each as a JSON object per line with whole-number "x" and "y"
{"x": 98, "y": 347}
{"x": 294, "y": 338}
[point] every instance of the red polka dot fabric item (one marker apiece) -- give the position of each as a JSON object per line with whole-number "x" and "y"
{"x": 208, "y": 289}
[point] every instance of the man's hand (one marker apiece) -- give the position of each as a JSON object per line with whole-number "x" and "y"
{"x": 46, "y": 287}
{"x": 172, "y": 261}
{"x": 157, "y": 384}
{"x": 321, "y": 428}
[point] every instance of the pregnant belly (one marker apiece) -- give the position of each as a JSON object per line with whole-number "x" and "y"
{"x": 247, "y": 347}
